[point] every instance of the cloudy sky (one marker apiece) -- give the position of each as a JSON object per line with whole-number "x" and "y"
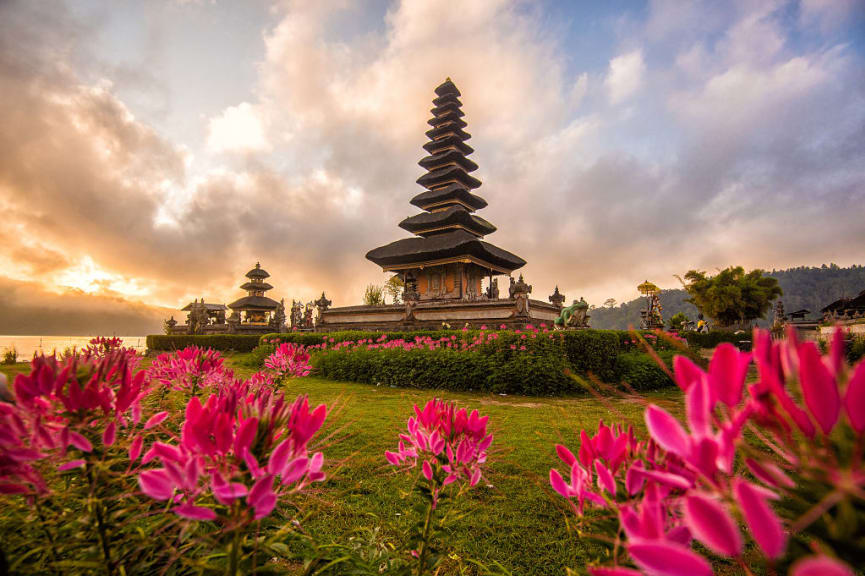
{"x": 152, "y": 152}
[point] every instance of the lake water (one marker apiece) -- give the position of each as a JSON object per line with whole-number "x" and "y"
{"x": 28, "y": 345}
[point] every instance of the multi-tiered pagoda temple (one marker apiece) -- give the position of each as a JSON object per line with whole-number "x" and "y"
{"x": 444, "y": 264}
{"x": 447, "y": 260}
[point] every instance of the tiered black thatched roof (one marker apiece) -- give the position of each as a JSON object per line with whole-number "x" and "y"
{"x": 255, "y": 288}
{"x": 447, "y": 229}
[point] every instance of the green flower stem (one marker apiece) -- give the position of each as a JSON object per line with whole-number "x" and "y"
{"x": 234, "y": 554}
{"x": 43, "y": 522}
{"x": 96, "y": 510}
{"x": 427, "y": 528}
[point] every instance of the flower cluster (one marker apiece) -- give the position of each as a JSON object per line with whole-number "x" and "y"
{"x": 289, "y": 360}
{"x": 191, "y": 369}
{"x": 443, "y": 436}
{"x": 683, "y": 483}
{"x": 237, "y": 446}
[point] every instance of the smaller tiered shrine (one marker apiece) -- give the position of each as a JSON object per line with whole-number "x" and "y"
{"x": 255, "y": 311}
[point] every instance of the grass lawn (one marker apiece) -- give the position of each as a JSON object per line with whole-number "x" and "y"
{"x": 513, "y": 517}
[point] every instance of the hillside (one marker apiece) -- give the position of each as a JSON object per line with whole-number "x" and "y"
{"x": 811, "y": 288}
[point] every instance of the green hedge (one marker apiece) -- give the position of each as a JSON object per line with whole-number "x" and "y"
{"x": 222, "y": 342}
{"x": 715, "y": 337}
{"x": 444, "y": 369}
{"x": 641, "y": 372}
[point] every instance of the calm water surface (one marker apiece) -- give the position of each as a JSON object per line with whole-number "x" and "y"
{"x": 28, "y": 345}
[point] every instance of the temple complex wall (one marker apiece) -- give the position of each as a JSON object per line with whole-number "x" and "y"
{"x": 432, "y": 315}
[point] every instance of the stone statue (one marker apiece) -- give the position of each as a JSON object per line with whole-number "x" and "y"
{"x": 296, "y": 315}
{"x": 410, "y": 293}
{"x": 574, "y": 316}
{"x": 493, "y": 290}
{"x": 779, "y": 319}
{"x": 307, "y": 316}
{"x": 233, "y": 322}
{"x": 277, "y": 323}
{"x": 520, "y": 293}
{"x": 511, "y": 288}
{"x": 557, "y": 298}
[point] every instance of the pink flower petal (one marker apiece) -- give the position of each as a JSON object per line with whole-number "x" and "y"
{"x": 666, "y": 431}
{"x": 819, "y": 388}
{"x": 668, "y": 559}
{"x": 191, "y": 512}
{"x": 612, "y": 571}
{"x": 80, "y": 442}
{"x": 565, "y": 455}
{"x": 156, "y": 484}
{"x": 698, "y": 407}
{"x": 820, "y": 566}
{"x": 427, "y": 470}
{"x": 155, "y": 420}
{"x": 135, "y": 448}
{"x": 71, "y": 465}
{"x": 854, "y": 399}
{"x": 764, "y": 525}
{"x": 711, "y": 524}
{"x": 558, "y": 483}
{"x": 605, "y": 479}
{"x": 110, "y": 434}
{"x": 686, "y": 372}
{"x": 727, "y": 371}
{"x": 392, "y": 458}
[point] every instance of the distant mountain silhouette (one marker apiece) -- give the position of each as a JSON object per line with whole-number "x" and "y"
{"x": 805, "y": 287}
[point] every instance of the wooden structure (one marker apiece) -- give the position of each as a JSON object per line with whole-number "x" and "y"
{"x": 447, "y": 259}
{"x": 444, "y": 265}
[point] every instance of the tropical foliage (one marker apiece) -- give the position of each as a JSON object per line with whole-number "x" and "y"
{"x": 732, "y": 297}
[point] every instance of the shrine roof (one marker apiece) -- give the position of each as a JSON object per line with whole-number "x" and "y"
{"x": 447, "y": 87}
{"x": 855, "y": 303}
{"x": 257, "y": 272}
{"x": 451, "y": 245}
{"x": 256, "y": 286}
{"x": 428, "y": 223}
{"x": 207, "y": 306}
{"x": 446, "y": 175}
{"x": 448, "y": 194}
{"x": 447, "y": 157}
{"x": 451, "y": 141}
{"x": 254, "y": 303}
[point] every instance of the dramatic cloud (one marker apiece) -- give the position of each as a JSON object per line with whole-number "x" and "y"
{"x": 625, "y": 77}
{"x": 701, "y": 136}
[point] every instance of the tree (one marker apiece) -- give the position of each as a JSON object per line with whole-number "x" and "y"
{"x": 732, "y": 297}
{"x": 394, "y": 288}
{"x": 373, "y": 295}
{"x": 610, "y": 303}
{"x": 678, "y": 321}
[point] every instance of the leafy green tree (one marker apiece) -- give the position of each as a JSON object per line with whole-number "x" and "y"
{"x": 678, "y": 321}
{"x": 610, "y": 303}
{"x": 732, "y": 297}
{"x": 394, "y": 288}
{"x": 373, "y": 295}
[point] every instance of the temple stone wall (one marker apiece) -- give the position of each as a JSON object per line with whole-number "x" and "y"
{"x": 431, "y": 316}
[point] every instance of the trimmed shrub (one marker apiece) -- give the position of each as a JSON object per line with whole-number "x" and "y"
{"x": 593, "y": 351}
{"x": 443, "y": 369}
{"x": 641, "y": 371}
{"x": 222, "y": 342}
{"x": 715, "y": 337}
